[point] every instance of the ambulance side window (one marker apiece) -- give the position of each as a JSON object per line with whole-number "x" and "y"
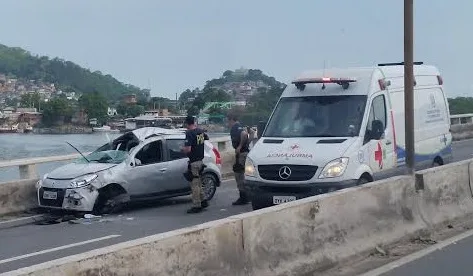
{"x": 377, "y": 120}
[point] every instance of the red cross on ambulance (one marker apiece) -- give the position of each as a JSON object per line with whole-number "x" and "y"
{"x": 379, "y": 155}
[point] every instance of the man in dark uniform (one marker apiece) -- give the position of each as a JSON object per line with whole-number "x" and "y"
{"x": 240, "y": 143}
{"x": 194, "y": 147}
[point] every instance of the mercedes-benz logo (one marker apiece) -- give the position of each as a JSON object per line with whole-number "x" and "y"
{"x": 285, "y": 172}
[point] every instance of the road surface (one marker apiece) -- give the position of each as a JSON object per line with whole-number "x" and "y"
{"x": 32, "y": 244}
{"x": 453, "y": 257}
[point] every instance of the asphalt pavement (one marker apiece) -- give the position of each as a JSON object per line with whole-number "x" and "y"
{"x": 32, "y": 244}
{"x": 453, "y": 260}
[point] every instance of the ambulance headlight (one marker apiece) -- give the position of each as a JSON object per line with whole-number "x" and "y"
{"x": 250, "y": 169}
{"x": 335, "y": 168}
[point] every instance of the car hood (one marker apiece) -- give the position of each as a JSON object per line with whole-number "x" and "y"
{"x": 73, "y": 170}
{"x": 302, "y": 151}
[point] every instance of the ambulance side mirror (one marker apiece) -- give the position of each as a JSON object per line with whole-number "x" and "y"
{"x": 260, "y": 128}
{"x": 377, "y": 130}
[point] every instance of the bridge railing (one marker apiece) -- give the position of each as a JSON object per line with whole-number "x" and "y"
{"x": 461, "y": 119}
{"x": 28, "y": 167}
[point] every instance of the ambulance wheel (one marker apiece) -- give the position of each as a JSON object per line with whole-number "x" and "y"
{"x": 437, "y": 162}
{"x": 363, "y": 180}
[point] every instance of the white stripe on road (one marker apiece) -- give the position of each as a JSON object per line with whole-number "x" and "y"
{"x": 56, "y": 249}
{"x": 417, "y": 255}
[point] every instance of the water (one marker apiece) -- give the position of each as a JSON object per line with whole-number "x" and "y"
{"x": 16, "y": 146}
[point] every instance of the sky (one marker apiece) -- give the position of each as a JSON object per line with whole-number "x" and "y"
{"x": 169, "y": 46}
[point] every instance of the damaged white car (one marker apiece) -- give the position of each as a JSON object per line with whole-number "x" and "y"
{"x": 143, "y": 164}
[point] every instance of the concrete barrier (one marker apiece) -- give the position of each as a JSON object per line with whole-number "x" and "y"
{"x": 445, "y": 192}
{"x": 317, "y": 233}
{"x": 18, "y": 196}
{"x": 296, "y": 238}
{"x": 462, "y": 132}
{"x": 212, "y": 248}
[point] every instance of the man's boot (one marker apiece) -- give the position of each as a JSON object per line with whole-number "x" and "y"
{"x": 242, "y": 200}
{"x": 195, "y": 210}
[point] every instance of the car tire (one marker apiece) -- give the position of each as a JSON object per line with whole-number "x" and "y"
{"x": 209, "y": 185}
{"x": 106, "y": 204}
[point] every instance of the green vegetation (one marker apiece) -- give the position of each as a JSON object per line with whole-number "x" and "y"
{"x": 460, "y": 105}
{"x": 66, "y": 75}
{"x": 258, "y": 106}
{"x": 57, "y": 111}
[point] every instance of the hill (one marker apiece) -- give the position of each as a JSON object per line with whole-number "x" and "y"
{"x": 66, "y": 75}
{"x": 251, "y": 88}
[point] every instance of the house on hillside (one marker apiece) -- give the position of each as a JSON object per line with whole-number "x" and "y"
{"x": 30, "y": 118}
{"x": 130, "y": 99}
{"x": 111, "y": 111}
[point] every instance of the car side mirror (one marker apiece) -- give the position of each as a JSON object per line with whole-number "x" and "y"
{"x": 377, "y": 130}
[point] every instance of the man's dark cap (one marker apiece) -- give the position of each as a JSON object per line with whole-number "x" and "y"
{"x": 190, "y": 120}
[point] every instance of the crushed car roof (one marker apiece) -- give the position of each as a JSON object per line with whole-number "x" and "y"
{"x": 145, "y": 132}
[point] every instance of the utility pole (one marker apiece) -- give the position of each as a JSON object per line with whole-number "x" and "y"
{"x": 409, "y": 84}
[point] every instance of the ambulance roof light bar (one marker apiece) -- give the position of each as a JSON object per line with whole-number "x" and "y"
{"x": 344, "y": 82}
{"x": 399, "y": 63}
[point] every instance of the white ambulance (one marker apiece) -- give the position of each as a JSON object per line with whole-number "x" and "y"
{"x": 338, "y": 128}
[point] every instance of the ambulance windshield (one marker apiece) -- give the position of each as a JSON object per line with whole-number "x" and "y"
{"x": 317, "y": 116}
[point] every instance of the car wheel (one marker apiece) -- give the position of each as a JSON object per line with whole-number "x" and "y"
{"x": 109, "y": 202}
{"x": 209, "y": 185}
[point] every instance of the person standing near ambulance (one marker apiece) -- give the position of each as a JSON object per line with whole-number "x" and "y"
{"x": 194, "y": 148}
{"x": 240, "y": 143}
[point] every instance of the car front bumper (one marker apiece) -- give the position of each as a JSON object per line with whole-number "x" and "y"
{"x": 79, "y": 199}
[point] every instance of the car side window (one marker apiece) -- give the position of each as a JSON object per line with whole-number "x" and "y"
{"x": 174, "y": 149}
{"x": 151, "y": 153}
{"x": 377, "y": 114}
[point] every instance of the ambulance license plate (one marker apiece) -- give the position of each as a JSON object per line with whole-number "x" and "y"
{"x": 283, "y": 199}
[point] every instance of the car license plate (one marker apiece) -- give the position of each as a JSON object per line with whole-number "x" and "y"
{"x": 49, "y": 195}
{"x": 283, "y": 199}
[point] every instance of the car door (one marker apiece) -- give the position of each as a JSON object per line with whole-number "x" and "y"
{"x": 379, "y": 137}
{"x": 149, "y": 174}
{"x": 177, "y": 163}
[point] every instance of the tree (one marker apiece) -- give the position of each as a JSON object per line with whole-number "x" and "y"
{"x": 95, "y": 105}
{"x": 130, "y": 110}
{"x": 461, "y": 105}
{"x": 57, "y": 111}
{"x": 135, "y": 110}
{"x": 30, "y": 100}
{"x": 67, "y": 75}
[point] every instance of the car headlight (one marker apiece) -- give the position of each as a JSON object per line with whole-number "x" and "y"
{"x": 335, "y": 168}
{"x": 250, "y": 169}
{"x": 39, "y": 184}
{"x": 83, "y": 181}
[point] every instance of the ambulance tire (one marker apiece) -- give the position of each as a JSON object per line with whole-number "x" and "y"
{"x": 363, "y": 180}
{"x": 437, "y": 162}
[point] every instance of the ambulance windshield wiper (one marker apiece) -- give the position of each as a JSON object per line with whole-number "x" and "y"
{"x": 324, "y": 135}
{"x": 78, "y": 151}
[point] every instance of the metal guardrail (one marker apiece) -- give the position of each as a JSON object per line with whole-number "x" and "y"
{"x": 461, "y": 119}
{"x": 28, "y": 170}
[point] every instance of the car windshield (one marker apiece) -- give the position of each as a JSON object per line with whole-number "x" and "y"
{"x": 113, "y": 152}
{"x": 317, "y": 116}
{"x": 106, "y": 156}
